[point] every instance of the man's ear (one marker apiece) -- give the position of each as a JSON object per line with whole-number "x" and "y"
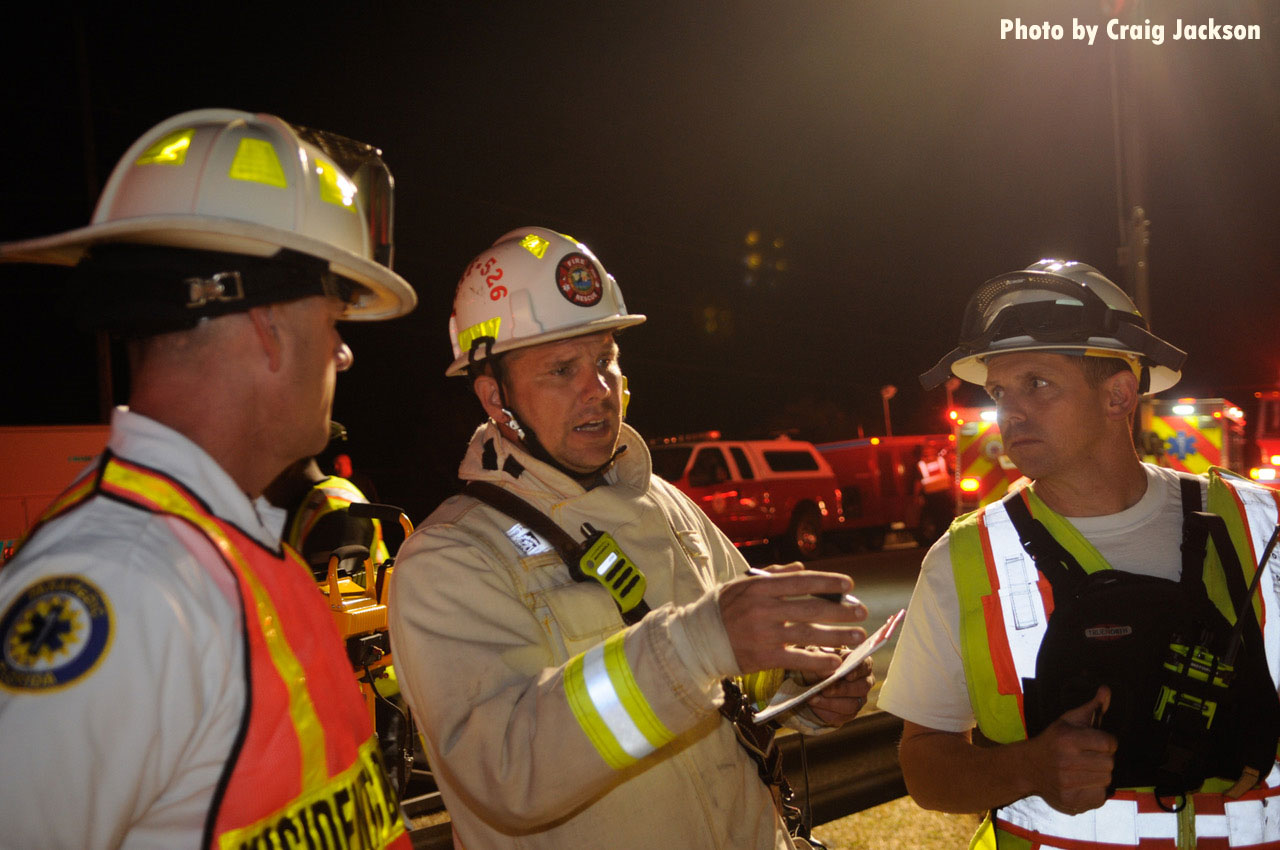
{"x": 266, "y": 327}
{"x": 486, "y": 390}
{"x": 1120, "y": 392}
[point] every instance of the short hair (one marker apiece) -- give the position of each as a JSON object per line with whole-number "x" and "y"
{"x": 1099, "y": 369}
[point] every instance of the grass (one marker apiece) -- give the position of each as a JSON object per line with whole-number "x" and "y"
{"x": 899, "y": 825}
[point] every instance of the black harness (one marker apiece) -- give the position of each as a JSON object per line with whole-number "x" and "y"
{"x": 1191, "y": 694}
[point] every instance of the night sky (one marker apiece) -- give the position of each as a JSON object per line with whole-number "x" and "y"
{"x": 901, "y": 150}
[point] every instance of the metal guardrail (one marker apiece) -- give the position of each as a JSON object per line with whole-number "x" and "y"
{"x": 850, "y": 769}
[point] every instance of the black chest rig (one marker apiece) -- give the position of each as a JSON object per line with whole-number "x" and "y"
{"x": 1191, "y": 695}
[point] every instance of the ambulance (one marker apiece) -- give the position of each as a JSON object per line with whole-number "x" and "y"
{"x": 983, "y": 471}
{"x": 1193, "y": 434}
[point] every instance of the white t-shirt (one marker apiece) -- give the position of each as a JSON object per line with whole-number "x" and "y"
{"x": 926, "y": 683}
{"x": 128, "y": 749}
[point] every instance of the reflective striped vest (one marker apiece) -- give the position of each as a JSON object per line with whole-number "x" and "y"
{"x": 933, "y": 475}
{"x": 331, "y": 494}
{"x": 306, "y": 770}
{"x": 1004, "y": 610}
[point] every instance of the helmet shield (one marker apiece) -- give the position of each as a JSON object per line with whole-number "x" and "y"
{"x": 372, "y": 180}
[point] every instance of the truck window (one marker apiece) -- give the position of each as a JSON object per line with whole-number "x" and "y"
{"x": 709, "y": 467}
{"x": 740, "y": 458}
{"x": 669, "y": 461}
{"x": 790, "y": 460}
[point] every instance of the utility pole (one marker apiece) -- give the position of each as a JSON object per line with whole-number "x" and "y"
{"x": 1130, "y": 172}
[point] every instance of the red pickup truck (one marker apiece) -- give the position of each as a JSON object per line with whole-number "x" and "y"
{"x": 759, "y": 492}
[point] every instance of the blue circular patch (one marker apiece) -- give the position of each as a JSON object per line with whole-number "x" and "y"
{"x": 53, "y": 634}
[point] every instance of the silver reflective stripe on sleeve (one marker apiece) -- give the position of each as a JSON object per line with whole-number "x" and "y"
{"x": 609, "y": 705}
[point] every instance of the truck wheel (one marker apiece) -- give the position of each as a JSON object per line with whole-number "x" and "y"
{"x": 927, "y": 531}
{"x": 804, "y": 538}
{"x": 873, "y": 539}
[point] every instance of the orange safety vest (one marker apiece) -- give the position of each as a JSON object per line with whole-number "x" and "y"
{"x": 1005, "y": 605}
{"x": 306, "y": 770}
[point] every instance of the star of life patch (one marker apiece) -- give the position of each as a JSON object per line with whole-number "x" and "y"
{"x": 53, "y": 634}
{"x": 526, "y": 541}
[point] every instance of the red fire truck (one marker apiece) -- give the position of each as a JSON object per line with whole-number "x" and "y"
{"x": 1267, "y": 437}
{"x": 880, "y": 480}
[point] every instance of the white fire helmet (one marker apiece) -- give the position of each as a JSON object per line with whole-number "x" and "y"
{"x": 1057, "y": 306}
{"x": 220, "y": 180}
{"x": 531, "y": 286}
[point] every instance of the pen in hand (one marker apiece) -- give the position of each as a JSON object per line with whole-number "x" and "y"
{"x": 840, "y": 598}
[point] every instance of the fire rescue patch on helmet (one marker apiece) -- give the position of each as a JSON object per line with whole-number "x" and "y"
{"x": 578, "y": 280}
{"x": 53, "y": 634}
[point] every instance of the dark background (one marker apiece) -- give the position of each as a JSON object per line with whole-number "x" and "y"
{"x": 901, "y": 149}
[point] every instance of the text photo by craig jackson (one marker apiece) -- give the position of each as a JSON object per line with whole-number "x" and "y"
{"x": 1150, "y": 31}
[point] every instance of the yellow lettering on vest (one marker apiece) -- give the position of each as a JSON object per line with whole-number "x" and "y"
{"x": 356, "y": 808}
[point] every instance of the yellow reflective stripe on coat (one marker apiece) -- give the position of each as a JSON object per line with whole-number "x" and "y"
{"x": 761, "y": 686}
{"x": 610, "y": 707}
{"x": 302, "y": 710}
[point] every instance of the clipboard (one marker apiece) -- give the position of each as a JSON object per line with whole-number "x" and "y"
{"x": 874, "y": 641}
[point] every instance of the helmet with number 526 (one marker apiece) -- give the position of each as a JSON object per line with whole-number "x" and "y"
{"x": 531, "y": 286}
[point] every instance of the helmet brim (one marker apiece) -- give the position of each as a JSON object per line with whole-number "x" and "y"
{"x": 386, "y": 296}
{"x": 973, "y": 368}
{"x": 462, "y": 363}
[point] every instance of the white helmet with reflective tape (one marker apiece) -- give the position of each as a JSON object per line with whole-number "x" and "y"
{"x": 231, "y": 182}
{"x": 531, "y": 286}
{"x": 1057, "y": 306}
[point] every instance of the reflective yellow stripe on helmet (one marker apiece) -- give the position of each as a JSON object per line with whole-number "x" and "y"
{"x": 535, "y": 244}
{"x": 610, "y": 707}
{"x": 169, "y": 150}
{"x": 335, "y": 188}
{"x": 471, "y": 334}
{"x": 256, "y": 161}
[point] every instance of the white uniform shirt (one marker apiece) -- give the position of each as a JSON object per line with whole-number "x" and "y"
{"x": 926, "y": 683}
{"x": 126, "y": 752}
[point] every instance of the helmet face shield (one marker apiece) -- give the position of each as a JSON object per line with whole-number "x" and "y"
{"x": 372, "y": 182}
{"x": 1067, "y": 308}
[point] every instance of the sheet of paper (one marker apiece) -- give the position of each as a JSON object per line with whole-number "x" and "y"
{"x": 781, "y": 702}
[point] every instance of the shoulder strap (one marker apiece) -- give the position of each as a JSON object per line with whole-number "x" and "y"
{"x": 1052, "y": 558}
{"x": 570, "y": 550}
{"x": 1198, "y": 527}
{"x": 521, "y": 511}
